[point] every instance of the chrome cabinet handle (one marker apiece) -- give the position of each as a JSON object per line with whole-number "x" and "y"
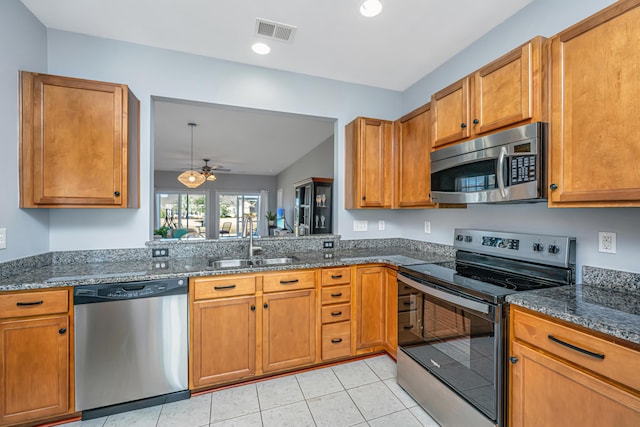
{"x": 576, "y": 348}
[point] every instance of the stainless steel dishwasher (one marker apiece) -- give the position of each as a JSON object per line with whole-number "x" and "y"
{"x": 131, "y": 345}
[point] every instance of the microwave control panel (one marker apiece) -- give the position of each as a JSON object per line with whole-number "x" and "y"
{"x": 523, "y": 169}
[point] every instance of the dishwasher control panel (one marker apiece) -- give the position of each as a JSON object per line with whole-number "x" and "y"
{"x": 132, "y": 290}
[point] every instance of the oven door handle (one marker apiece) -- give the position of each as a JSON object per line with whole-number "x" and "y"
{"x": 500, "y": 172}
{"x": 446, "y": 296}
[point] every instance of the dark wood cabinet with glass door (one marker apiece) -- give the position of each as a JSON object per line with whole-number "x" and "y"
{"x": 313, "y": 210}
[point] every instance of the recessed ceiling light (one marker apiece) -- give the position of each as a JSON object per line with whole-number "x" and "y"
{"x": 261, "y": 48}
{"x": 370, "y": 8}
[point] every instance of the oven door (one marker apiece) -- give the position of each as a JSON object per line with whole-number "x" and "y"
{"x": 456, "y": 338}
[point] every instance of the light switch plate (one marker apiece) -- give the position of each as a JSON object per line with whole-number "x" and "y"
{"x": 360, "y": 225}
{"x": 427, "y": 227}
{"x": 3, "y": 238}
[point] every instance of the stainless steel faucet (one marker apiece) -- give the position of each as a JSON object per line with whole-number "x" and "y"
{"x": 248, "y": 230}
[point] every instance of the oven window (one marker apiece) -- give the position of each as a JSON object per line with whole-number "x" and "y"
{"x": 467, "y": 178}
{"x": 455, "y": 344}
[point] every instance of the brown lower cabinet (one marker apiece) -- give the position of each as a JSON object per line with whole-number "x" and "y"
{"x": 223, "y": 340}
{"x": 288, "y": 329}
{"x": 552, "y": 384}
{"x": 370, "y": 308}
{"x": 248, "y": 325}
{"x": 35, "y": 356}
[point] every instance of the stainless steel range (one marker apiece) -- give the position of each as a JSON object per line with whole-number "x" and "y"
{"x": 453, "y": 319}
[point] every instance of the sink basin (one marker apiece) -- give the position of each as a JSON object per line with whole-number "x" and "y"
{"x": 230, "y": 263}
{"x": 274, "y": 261}
{"x": 245, "y": 262}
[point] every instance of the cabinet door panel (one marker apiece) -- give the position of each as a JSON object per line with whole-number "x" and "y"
{"x": 594, "y": 141}
{"x": 288, "y": 330}
{"x": 224, "y": 340}
{"x": 450, "y": 111}
{"x": 412, "y": 154}
{"x": 375, "y": 170}
{"x": 547, "y": 392}
{"x": 370, "y": 306}
{"x": 503, "y": 90}
{"x": 34, "y": 369}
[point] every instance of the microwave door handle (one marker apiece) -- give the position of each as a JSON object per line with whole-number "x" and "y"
{"x": 499, "y": 172}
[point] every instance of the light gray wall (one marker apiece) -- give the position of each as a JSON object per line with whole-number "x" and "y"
{"x": 544, "y": 17}
{"x": 157, "y": 72}
{"x": 23, "y": 46}
{"x": 318, "y": 163}
{"x": 165, "y": 180}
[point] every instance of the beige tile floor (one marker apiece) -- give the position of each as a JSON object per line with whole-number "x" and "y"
{"x": 360, "y": 393}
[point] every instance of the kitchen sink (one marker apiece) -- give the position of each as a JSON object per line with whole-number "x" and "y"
{"x": 274, "y": 261}
{"x": 245, "y": 262}
{"x": 230, "y": 263}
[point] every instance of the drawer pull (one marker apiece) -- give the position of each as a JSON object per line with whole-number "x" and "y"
{"x": 222, "y": 288}
{"x": 576, "y": 348}
{"x": 336, "y": 313}
{"x": 336, "y": 276}
{"x": 409, "y": 302}
{"x": 336, "y": 340}
{"x": 338, "y": 295}
{"x": 23, "y": 304}
{"x": 408, "y": 327}
{"x": 288, "y": 282}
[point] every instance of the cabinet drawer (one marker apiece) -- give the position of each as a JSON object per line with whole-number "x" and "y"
{"x": 336, "y": 294}
{"x": 336, "y": 276}
{"x": 336, "y": 340}
{"x": 620, "y": 363}
{"x": 230, "y": 286}
{"x": 278, "y": 282}
{"x": 336, "y": 313}
{"x": 34, "y": 303}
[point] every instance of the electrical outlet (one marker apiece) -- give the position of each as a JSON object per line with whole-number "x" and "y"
{"x": 380, "y": 225}
{"x": 328, "y": 244}
{"x": 3, "y": 238}
{"x": 156, "y": 252}
{"x": 607, "y": 242}
{"x": 427, "y": 227}
{"x": 360, "y": 225}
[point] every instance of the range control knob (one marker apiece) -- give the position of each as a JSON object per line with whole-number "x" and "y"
{"x": 468, "y": 239}
{"x": 554, "y": 249}
{"x": 537, "y": 247}
{"x": 459, "y": 237}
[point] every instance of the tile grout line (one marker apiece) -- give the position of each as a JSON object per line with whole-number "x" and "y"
{"x": 304, "y": 398}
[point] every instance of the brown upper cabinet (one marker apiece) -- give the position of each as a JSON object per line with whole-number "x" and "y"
{"x": 368, "y": 163}
{"x": 79, "y": 143}
{"x": 594, "y": 146}
{"x": 411, "y": 159}
{"x": 504, "y": 93}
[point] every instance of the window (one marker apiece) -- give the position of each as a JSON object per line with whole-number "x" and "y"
{"x": 182, "y": 210}
{"x": 233, "y": 208}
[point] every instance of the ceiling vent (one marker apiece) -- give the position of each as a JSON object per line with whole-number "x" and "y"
{"x": 275, "y": 30}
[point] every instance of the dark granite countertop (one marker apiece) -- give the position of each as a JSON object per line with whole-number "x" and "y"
{"x": 85, "y": 273}
{"x": 615, "y": 312}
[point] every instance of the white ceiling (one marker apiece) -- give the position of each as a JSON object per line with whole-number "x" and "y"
{"x": 409, "y": 39}
{"x": 244, "y": 140}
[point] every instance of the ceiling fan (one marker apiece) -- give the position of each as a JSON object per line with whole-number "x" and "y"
{"x": 207, "y": 170}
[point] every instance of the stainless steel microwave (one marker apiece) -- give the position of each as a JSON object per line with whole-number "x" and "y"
{"x": 508, "y": 166}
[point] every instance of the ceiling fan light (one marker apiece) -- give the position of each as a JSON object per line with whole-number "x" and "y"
{"x": 370, "y": 8}
{"x": 211, "y": 177}
{"x": 191, "y": 179}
